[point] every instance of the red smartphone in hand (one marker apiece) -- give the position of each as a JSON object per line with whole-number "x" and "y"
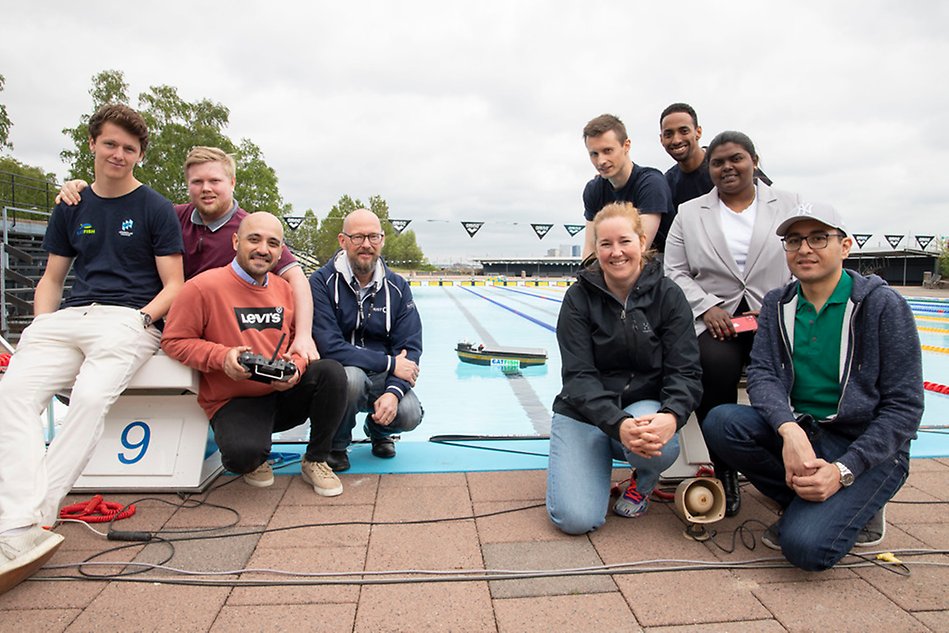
{"x": 745, "y": 323}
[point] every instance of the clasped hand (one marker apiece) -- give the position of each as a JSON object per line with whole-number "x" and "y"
{"x": 647, "y": 434}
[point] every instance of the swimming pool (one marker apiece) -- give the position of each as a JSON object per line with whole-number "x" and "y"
{"x": 465, "y": 399}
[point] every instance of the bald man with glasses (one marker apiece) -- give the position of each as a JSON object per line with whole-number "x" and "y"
{"x": 836, "y": 391}
{"x": 365, "y": 318}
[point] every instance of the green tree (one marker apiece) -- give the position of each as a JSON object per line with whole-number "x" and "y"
{"x": 5, "y": 123}
{"x": 23, "y": 185}
{"x": 944, "y": 260}
{"x": 303, "y": 238}
{"x": 174, "y": 127}
{"x": 400, "y": 251}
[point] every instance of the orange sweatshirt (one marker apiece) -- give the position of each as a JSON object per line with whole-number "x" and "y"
{"x": 217, "y": 310}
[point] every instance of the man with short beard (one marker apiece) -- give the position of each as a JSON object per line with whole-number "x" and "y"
{"x": 226, "y": 311}
{"x": 366, "y": 319}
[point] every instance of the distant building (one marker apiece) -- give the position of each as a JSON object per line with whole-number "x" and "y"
{"x": 531, "y": 266}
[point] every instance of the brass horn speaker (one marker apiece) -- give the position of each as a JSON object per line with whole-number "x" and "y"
{"x": 700, "y": 500}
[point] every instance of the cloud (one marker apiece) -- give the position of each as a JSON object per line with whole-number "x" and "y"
{"x": 474, "y": 113}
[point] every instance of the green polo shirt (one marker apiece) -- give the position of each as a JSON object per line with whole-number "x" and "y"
{"x": 816, "y": 388}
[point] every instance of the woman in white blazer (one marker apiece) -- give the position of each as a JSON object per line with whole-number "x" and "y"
{"x": 723, "y": 252}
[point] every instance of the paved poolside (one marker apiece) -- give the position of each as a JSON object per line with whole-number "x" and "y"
{"x": 713, "y": 599}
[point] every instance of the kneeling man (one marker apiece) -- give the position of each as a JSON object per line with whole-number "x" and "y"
{"x": 836, "y": 387}
{"x": 238, "y": 308}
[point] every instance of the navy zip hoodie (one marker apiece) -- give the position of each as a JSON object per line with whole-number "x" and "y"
{"x": 881, "y": 376}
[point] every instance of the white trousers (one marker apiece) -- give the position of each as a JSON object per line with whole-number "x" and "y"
{"x": 95, "y": 350}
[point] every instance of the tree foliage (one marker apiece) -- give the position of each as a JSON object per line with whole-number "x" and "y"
{"x": 23, "y": 185}
{"x": 400, "y": 251}
{"x": 944, "y": 259}
{"x": 174, "y": 127}
{"x": 303, "y": 238}
{"x": 5, "y": 123}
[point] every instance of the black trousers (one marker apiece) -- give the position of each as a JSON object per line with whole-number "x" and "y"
{"x": 722, "y": 362}
{"x": 243, "y": 426}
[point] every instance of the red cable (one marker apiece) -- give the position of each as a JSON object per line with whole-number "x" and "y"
{"x": 96, "y": 511}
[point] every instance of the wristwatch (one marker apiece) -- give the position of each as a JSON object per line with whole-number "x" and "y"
{"x": 146, "y": 319}
{"x": 846, "y": 477}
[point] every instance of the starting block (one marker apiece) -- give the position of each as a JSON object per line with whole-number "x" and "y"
{"x": 156, "y": 437}
{"x": 693, "y": 454}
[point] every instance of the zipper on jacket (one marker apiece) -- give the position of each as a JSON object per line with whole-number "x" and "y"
{"x": 851, "y": 340}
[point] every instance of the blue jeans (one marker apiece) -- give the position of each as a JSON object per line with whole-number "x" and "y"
{"x": 362, "y": 389}
{"x": 814, "y": 535}
{"x": 581, "y": 466}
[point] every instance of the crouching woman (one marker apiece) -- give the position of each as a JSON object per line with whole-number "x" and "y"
{"x": 631, "y": 377}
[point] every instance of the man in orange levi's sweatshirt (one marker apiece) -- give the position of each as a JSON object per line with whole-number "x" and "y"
{"x": 223, "y": 312}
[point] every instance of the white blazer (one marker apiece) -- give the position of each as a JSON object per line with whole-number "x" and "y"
{"x": 697, "y": 256}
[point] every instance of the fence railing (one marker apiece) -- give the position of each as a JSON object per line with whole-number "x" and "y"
{"x": 16, "y": 284}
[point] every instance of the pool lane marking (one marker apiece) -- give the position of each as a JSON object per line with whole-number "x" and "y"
{"x": 937, "y": 330}
{"x": 530, "y": 294}
{"x": 510, "y": 309}
{"x": 537, "y": 413}
{"x": 539, "y": 310}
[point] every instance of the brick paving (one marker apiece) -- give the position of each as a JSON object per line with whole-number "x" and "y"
{"x": 778, "y": 599}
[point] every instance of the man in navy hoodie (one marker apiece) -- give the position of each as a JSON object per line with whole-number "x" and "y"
{"x": 836, "y": 388}
{"x": 365, "y": 318}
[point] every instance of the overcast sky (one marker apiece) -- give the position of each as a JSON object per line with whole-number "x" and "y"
{"x": 474, "y": 111}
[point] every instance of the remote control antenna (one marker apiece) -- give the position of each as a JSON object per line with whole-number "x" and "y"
{"x": 277, "y": 351}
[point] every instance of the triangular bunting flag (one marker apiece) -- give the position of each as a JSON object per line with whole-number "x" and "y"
{"x": 293, "y": 221}
{"x": 573, "y": 229}
{"x": 894, "y": 240}
{"x": 861, "y": 238}
{"x": 541, "y": 229}
{"x": 472, "y": 227}
{"x": 399, "y": 225}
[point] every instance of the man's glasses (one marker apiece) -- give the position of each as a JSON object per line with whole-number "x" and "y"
{"x": 816, "y": 241}
{"x": 359, "y": 238}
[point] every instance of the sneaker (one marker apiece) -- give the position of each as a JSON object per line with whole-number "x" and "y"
{"x": 319, "y": 475}
{"x": 338, "y": 461}
{"x": 631, "y": 503}
{"x": 260, "y": 477}
{"x": 772, "y": 537}
{"x": 21, "y": 555}
{"x": 872, "y": 533}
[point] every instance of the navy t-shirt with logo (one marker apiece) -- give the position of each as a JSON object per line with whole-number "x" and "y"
{"x": 646, "y": 189}
{"x": 114, "y": 243}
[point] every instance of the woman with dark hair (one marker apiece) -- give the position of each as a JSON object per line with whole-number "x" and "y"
{"x": 630, "y": 377}
{"x": 723, "y": 252}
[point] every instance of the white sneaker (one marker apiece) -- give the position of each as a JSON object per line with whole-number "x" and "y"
{"x": 23, "y": 554}
{"x": 319, "y": 475}
{"x": 260, "y": 477}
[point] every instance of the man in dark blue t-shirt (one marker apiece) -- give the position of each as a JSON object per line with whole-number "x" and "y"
{"x": 679, "y": 133}
{"x": 620, "y": 180}
{"x": 124, "y": 242}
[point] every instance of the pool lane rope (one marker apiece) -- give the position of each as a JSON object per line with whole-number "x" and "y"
{"x": 934, "y": 348}
{"x": 936, "y": 387}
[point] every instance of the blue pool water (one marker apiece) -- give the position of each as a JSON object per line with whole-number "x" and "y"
{"x": 460, "y": 398}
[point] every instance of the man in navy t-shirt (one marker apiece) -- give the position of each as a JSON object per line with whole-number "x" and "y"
{"x": 679, "y": 133}
{"x": 124, "y": 243}
{"x": 620, "y": 180}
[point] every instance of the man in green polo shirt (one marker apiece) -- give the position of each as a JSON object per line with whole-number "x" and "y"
{"x": 835, "y": 384}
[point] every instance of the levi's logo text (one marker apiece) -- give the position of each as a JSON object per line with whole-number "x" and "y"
{"x": 85, "y": 229}
{"x": 260, "y": 318}
{"x": 126, "y": 229}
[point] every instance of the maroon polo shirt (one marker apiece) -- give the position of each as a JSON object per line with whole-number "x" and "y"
{"x": 210, "y": 245}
